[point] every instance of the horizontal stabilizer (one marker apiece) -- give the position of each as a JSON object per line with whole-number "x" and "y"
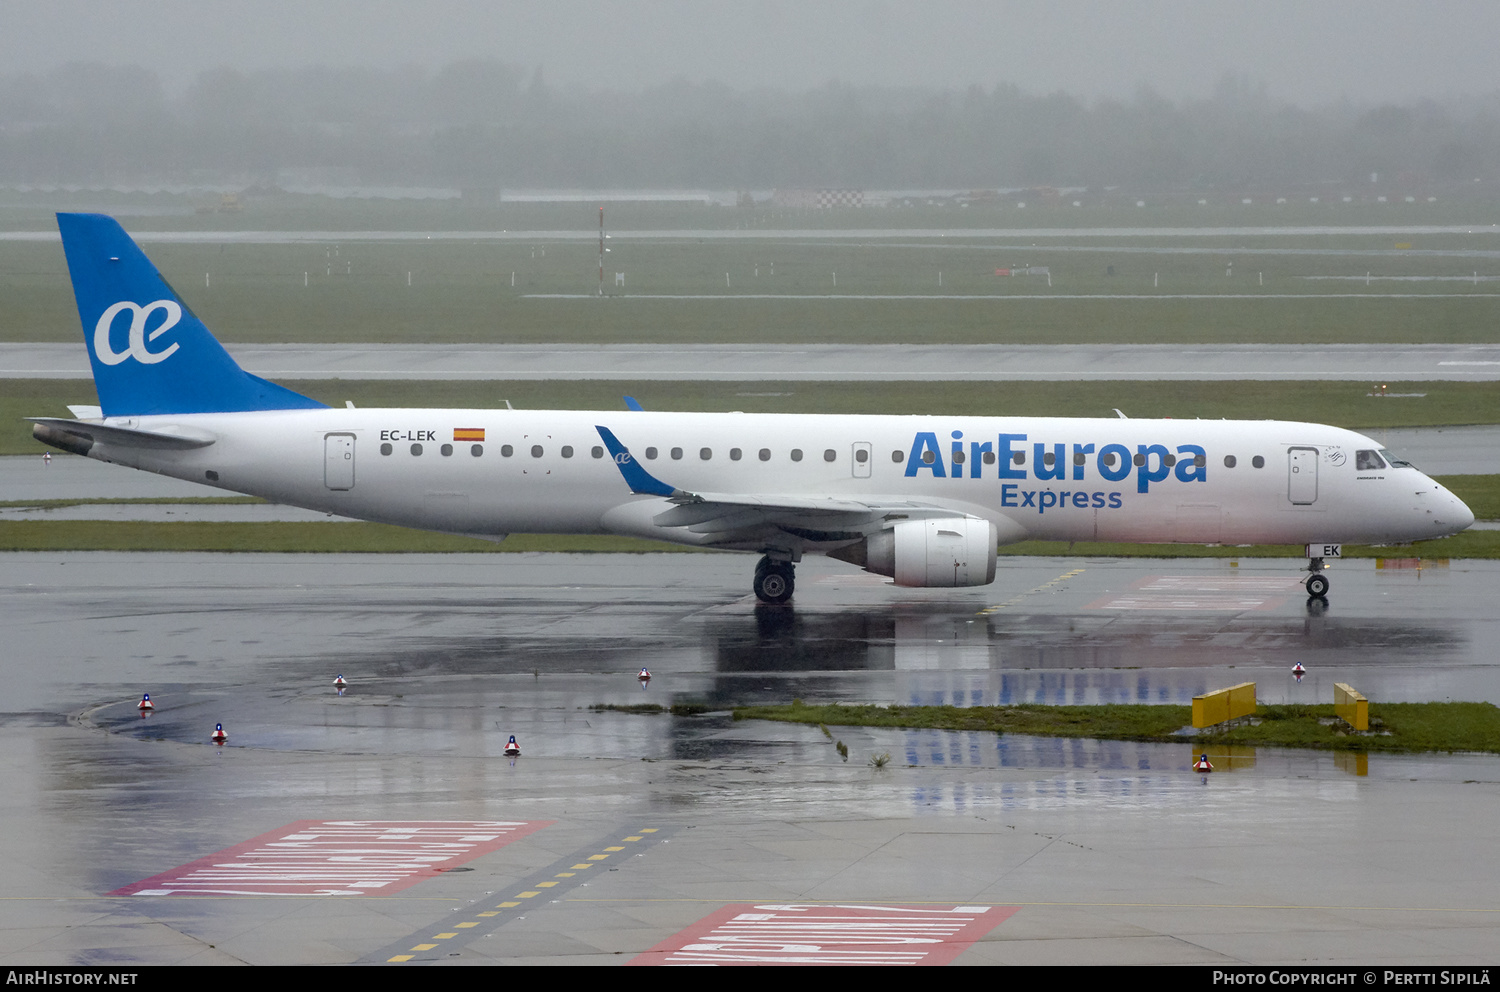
{"x": 47, "y": 429}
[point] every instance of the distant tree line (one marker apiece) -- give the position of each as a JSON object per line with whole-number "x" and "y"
{"x": 486, "y": 124}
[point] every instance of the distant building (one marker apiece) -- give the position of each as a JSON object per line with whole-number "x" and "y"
{"x": 817, "y": 199}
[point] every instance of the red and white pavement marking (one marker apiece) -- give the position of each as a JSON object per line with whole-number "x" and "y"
{"x": 1203, "y": 592}
{"x": 336, "y": 858}
{"x": 797, "y": 934}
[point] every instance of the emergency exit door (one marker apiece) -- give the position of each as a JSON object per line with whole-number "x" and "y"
{"x": 860, "y": 459}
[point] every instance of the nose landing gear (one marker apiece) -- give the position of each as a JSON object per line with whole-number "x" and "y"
{"x": 774, "y": 581}
{"x": 1317, "y": 582}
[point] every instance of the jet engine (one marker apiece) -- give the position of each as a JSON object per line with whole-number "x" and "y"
{"x": 941, "y": 551}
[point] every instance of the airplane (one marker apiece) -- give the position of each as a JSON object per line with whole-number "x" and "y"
{"x": 925, "y": 500}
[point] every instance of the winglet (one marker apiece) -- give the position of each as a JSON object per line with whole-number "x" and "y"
{"x": 637, "y": 478}
{"x": 631, "y": 403}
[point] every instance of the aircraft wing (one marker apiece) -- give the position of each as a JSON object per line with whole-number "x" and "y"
{"x": 735, "y": 517}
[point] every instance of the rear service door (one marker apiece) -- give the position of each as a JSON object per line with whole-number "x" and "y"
{"x": 1302, "y": 475}
{"x": 338, "y": 461}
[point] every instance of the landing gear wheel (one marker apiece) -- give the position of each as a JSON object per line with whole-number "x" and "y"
{"x": 1317, "y": 585}
{"x": 774, "y": 582}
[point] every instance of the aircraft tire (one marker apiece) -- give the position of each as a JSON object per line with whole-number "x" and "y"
{"x": 774, "y": 583}
{"x": 1317, "y": 586}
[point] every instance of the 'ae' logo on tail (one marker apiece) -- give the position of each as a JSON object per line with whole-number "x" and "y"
{"x": 136, "y": 349}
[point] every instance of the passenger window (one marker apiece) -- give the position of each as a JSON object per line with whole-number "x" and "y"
{"x": 536, "y": 451}
{"x": 958, "y": 458}
{"x": 596, "y": 451}
{"x": 1078, "y": 458}
{"x": 1048, "y": 459}
{"x": 861, "y": 456}
{"x": 651, "y": 453}
{"x": 676, "y": 454}
{"x": 505, "y": 450}
{"x": 416, "y": 449}
{"x": 1138, "y": 460}
{"x": 765, "y": 454}
{"x": 1200, "y": 460}
{"x": 1365, "y": 461}
{"x": 1229, "y": 461}
{"x": 386, "y": 449}
{"x": 796, "y": 454}
{"x": 1169, "y": 460}
{"x": 989, "y": 458}
{"x": 705, "y": 453}
{"x": 735, "y": 454}
{"x": 829, "y": 454}
{"x": 898, "y": 457}
{"x": 1019, "y": 457}
{"x": 447, "y": 450}
{"x": 478, "y": 450}
{"x": 1108, "y": 459}
{"x": 1258, "y": 461}
{"x": 567, "y": 451}
{"x": 928, "y": 458}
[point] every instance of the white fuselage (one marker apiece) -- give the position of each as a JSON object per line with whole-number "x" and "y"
{"x": 548, "y": 472}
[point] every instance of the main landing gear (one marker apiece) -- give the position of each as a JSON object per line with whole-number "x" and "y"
{"x": 1317, "y": 582}
{"x": 774, "y": 581}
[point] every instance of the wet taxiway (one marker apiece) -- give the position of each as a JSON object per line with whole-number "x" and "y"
{"x": 1374, "y": 363}
{"x": 638, "y": 826}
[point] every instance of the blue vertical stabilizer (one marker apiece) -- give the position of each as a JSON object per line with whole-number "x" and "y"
{"x": 149, "y": 352}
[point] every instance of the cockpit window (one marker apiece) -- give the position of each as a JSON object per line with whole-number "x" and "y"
{"x": 1365, "y": 461}
{"x": 1395, "y": 462}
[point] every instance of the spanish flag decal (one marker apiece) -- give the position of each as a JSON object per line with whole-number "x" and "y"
{"x": 468, "y": 433}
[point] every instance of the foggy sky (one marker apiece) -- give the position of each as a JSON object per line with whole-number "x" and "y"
{"x": 1310, "y": 52}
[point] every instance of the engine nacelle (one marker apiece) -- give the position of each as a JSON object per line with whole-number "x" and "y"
{"x": 941, "y": 551}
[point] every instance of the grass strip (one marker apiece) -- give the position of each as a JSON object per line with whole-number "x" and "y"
{"x": 335, "y": 537}
{"x": 1402, "y": 727}
{"x": 57, "y": 504}
{"x": 1470, "y": 544}
{"x": 321, "y": 537}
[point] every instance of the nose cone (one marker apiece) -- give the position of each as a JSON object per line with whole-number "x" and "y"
{"x": 1460, "y": 516}
{"x": 1449, "y": 513}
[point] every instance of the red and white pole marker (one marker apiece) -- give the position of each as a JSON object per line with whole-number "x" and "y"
{"x": 338, "y": 680}
{"x": 145, "y": 705}
{"x": 512, "y": 749}
{"x": 1297, "y": 669}
{"x": 219, "y": 737}
{"x": 645, "y": 676}
{"x": 1203, "y": 764}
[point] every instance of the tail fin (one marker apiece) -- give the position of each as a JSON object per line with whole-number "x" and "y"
{"x": 174, "y": 367}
